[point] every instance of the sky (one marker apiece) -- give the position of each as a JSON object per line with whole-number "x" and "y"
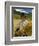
{"x": 24, "y": 10}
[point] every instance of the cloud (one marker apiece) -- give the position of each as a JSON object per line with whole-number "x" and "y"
{"x": 21, "y": 10}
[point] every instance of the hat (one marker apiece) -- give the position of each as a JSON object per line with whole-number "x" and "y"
{"x": 23, "y": 14}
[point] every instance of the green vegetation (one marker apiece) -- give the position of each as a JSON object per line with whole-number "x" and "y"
{"x": 18, "y": 14}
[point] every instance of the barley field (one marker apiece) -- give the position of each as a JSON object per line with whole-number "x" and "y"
{"x": 27, "y": 31}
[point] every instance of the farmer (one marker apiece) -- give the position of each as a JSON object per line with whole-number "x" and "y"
{"x": 22, "y": 23}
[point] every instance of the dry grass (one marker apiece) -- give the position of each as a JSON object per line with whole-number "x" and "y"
{"x": 27, "y": 31}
